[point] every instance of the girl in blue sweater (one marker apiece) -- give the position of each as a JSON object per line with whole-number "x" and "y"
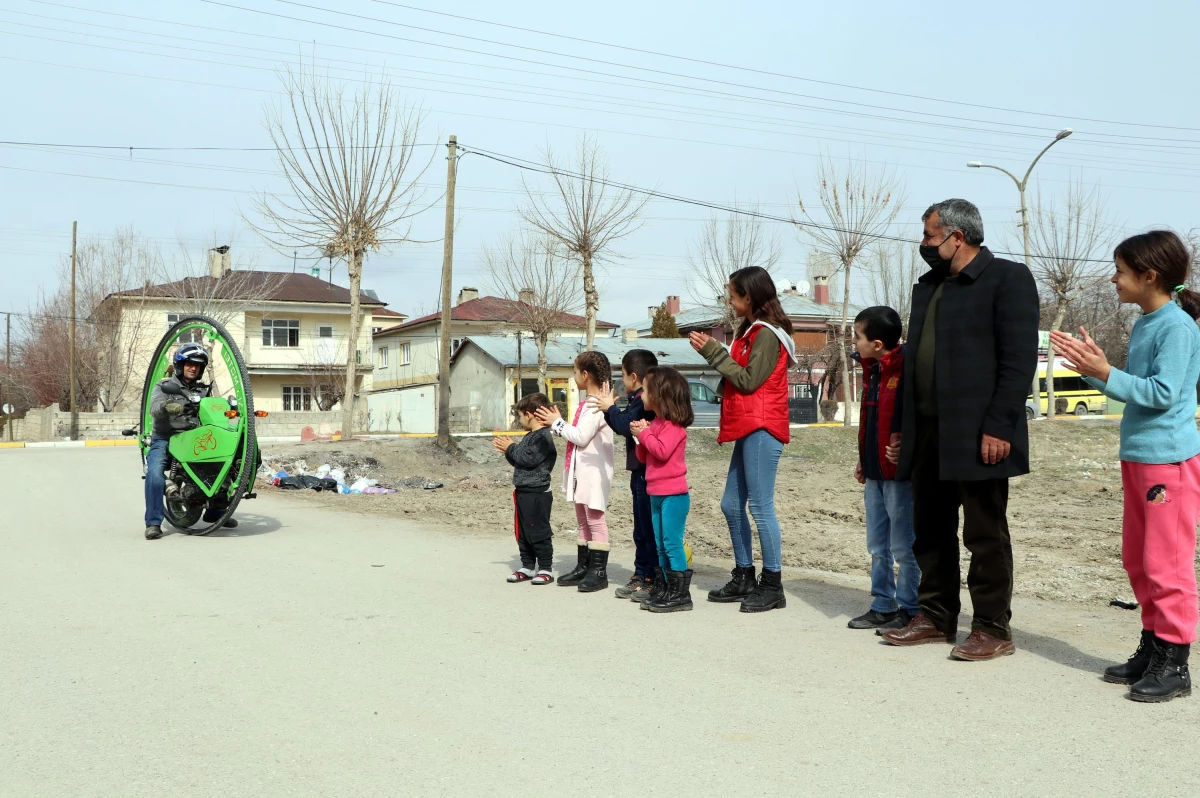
{"x": 1160, "y": 455}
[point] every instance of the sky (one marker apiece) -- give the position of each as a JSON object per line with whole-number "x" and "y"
{"x": 718, "y": 102}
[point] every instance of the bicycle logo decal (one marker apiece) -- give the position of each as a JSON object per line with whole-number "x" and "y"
{"x": 204, "y": 443}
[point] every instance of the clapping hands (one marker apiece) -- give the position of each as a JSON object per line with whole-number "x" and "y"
{"x": 698, "y": 339}
{"x": 548, "y": 415}
{"x": 604, "y": 400}
{"x": 636, "y": 428}
{"x": 1083, "y": 357}
{"x": 501, "y": 444}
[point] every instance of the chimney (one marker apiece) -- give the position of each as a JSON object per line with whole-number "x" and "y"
{"x": 466, "y": 295}
{"x": 527, "y": 296}
{"x": 673, "y": 305}
{"x": 629, "y": 335}
{"x": 821, "y": 290}
{"x": 218, "y": 261}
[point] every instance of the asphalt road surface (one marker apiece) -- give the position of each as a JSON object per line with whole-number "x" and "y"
{"x": 326, "y": 653}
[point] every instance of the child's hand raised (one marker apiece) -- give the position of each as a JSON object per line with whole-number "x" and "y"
{"x": 636, "y": 428}
{"x": 1083, "y": 357}
{"x": 604, "y": 400}
{"x": 548, "y": 415}
{"x": 501, "y": 444}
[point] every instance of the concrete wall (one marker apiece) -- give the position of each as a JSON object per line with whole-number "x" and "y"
{"x": 476, "y": 380}
{"x": 53, "y": 424}
{"x": 403, "y": 410}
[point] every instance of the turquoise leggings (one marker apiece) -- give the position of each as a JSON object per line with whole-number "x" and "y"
{"x": 669, "y": 514}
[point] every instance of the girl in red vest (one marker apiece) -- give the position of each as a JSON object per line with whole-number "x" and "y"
{"x": 754, "y": 414}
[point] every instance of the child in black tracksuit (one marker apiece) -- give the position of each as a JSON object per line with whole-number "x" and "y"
{"x": 634, "y": 366}
{"x": 533, "y": 458}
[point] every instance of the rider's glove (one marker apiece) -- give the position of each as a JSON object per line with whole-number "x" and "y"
{"x": 173, "y": 408}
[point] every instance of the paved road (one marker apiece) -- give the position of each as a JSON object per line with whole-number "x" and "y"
{"x": 322, "y": 653}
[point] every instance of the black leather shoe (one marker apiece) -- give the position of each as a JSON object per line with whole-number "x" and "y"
{"x": 574, "y": 576}
{"x": 657, "y": 588}
{"x": 153, "y": 532}
{"x": 737, "y": 588}
{"x": 1167, "y": 675}
{"x": 677, "y": 597}
{"x": 1135, "y": 667}
{"x": 596, "y": 577}
{"x": 767, "y": 595}
{"x": 872, "y": 620}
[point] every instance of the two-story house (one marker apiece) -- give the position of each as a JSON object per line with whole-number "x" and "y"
{"x": 406, "y": 356}
{"x": 293, "y": 330}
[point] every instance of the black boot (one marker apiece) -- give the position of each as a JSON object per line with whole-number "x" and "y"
{"x": 575, "y": 575}
{"x": 677, "y": 597}
{"x": 1133, "y": 670}
{"x": 658, "y": 590}
{"x": 1166, "y": 676}
{"x": 768, "y": 595}
{"x": 737, "y": 588}
{"x": 597, "y": 573}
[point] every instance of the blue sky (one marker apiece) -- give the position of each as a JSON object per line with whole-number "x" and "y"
{"x": 1120, "y": 74}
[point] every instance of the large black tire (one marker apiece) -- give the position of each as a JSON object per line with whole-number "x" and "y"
{"x": 242, "y": 473}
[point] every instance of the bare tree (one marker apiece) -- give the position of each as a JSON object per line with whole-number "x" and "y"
{"x": 859, "y": 207}
{"x": 214, "y": 278}
{"x": 722, "y": 248}
{"x": 1069, "y": 241}
{"x": 586, "y": 214}
{"x": 349, "y": 162}
{"x": 326, "y": 375}
{"x": 530, "y": 269}
{"x": 893, "y": 268}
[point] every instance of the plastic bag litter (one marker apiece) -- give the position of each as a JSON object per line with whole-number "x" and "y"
{"x": 337, "y": 475}
{"x": 323, "y": 471}
{"x": 377, "y": 489}
{"x": 362, "y": 484}
{"x": 432, "y": 485}
{"x": 300, "y": 467}
{"x": 303, "y": 481}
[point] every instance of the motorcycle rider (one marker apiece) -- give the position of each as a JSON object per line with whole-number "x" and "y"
{"x": 172, "y": 414}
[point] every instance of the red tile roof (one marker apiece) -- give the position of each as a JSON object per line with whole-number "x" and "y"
{"x": 495, "y": 309}
{"x": 277, "y": 287}
{"x": 392, "y": 314}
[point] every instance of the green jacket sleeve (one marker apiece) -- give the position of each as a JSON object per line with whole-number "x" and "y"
{"x": 764, "y": 354}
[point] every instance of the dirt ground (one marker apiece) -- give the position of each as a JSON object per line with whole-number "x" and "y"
{"x": 1065, "y": 517}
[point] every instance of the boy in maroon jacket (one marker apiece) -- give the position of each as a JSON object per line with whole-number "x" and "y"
{"x": 889, "y": 501}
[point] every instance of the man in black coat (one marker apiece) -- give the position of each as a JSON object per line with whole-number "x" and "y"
{"x": 972, "y": 343}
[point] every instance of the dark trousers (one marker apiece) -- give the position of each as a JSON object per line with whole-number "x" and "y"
{"x": 535, "y": 537}
{"x": 645, "y": 555}
{"x": 984, "y": 504}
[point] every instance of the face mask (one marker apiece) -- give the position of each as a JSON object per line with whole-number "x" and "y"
{"x": 931, "y": 256}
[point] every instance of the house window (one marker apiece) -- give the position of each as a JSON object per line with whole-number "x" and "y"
{"x": 324, "y": 330}
{"x": 454, "y": 345}
{"x": 801, "y": 390}
{"x": 297, "y": 398}
{"x": 381, "y": 357}
{"x": 189, "y": 337}
{"x": 281, "y": 332}
{"x": 405, "y": 354}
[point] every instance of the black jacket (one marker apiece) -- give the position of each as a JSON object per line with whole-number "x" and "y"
{"x": 985, "y": 358}
{"x": 165, "y": 424}
{"x": 619, "y": 420}
{"x": 533, "y": 458}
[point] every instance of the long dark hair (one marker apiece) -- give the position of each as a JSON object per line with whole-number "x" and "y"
{"x": 671, "y": 395}
{"x": 1162, "y": 252}
{"x": 755, "y": 283}
{"x": 595, "y": 365}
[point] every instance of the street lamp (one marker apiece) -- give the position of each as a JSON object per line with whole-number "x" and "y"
{"x": 1062, "y": 134}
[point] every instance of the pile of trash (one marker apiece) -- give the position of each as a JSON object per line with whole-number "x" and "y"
{"x": 325, "y": 478}
{"x": 333, "y": 478}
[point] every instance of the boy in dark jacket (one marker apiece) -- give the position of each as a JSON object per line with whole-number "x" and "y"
{"x": 634, "y": 366}
{"x": 532, "y": 458}
{"x": 889, "y": 501}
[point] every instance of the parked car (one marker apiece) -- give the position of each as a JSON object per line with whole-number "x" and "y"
{"x": 706, "y": 405}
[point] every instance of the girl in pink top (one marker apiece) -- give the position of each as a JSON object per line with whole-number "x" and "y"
{"x": 662, "y": 446}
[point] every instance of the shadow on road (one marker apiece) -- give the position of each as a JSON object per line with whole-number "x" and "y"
{"x": 249, "y": 525}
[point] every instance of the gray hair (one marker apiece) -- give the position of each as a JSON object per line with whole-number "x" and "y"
{"x": 958, "y": 214}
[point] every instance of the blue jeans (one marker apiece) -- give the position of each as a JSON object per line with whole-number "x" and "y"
{"x": 752, "y": 479}
{"x": 156, "y": 480}
{"x": 670, "y": 520}
{"x": 890, "y": 542}
{"x": 645, "y": 555}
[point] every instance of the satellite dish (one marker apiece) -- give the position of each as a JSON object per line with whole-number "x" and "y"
{"x": 783, "y": 285}
{"x": 802, "y": 287}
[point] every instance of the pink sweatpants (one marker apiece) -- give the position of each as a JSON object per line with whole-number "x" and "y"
{"x": 593, "y": 528}
{"x": 1158, "y": 545}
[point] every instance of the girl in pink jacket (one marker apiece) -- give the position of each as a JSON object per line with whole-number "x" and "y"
{"x": 587, "y": 472}
{"x": 662, "y": 446}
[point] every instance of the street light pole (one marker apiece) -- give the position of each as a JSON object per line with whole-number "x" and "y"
{"x": 1024, "y": 211}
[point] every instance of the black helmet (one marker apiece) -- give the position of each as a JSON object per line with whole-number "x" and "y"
{"x": 190, "y": 353}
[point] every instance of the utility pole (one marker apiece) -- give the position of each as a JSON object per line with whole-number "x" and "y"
{"x": 1024, "y": 211}
{"x": 7, "y": 370}
{"x": 443, "y": 432}
{"x": 71, "y": 368}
